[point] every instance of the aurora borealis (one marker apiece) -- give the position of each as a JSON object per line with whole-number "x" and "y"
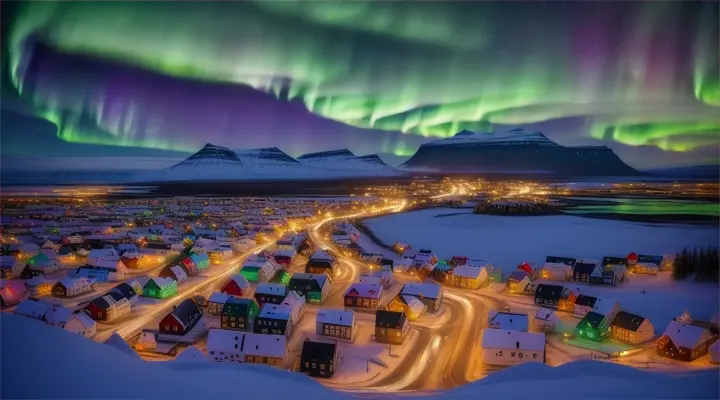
{"x": 378, "y": 76}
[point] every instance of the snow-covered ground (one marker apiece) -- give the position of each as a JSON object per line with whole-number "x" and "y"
{"x": 508, "y": 241}
{"x": 68, "y": 364}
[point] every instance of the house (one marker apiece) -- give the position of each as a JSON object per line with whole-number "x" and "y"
{"x": 411, "y": 306}
{"x": 273, "y": 293}
{"x": 632, "y": 329}
{"x": 315, "y": 287}
{"x": 296, "y": 304}
{"x": 337, "y": 324}
{"x": 174, "y": 272}
{"x": 109, "y": 307}
{"x": 391, "y": 327}
{"x": 320, "y": 262}
{"x": 265, "y": 349}
{"x": 403, "y": 249}
{"x": 363, "y": 296}
{"x": 507, "y": 320}
{"x": 230, "y": 345}
{"x": 557, "y": 268}
{"x": 239, "y": 314}
{"x": 38, "y": 287}
{"x": 216, "y": 302}
{"x": 545, "y": 320}
{"x": 647, "y": 264}
{"x": 608, "y": 308}
{"x": 555, "y": 296}
{"x": 160, "y": 288}
{"x": 425, "y": 256}
{"x": 465, "y": 276}
{"x": 12, "y": 292}
{"x": 10, "y": 267}
{"x": 507, "y": 347}
{"x": 588, "y": 272}
{"x": 201, "y": 261}
{"x": 685, "y": 342}
{"x": 518, "y": 281}
{"x": 618, "y": 266}
{"x": 274, "y": 319}
{"x": 40, "y": 264}
{"x": 318, "y": 359}
{"x": 584, "y": 304}
{"x": 130, "y": 291}
{"x": 429, "y": 293}
{"x": 30, "y": 308}
{"x": 258, "y": 271}
{"x": 181, "y": 319}
{"x": 237, "y": 285}
{"x": 285, "y": 256}
{"x": 594, "y": 326}
{"x": 382, "y": 278}
{"x": 189, "y": 266}
{"x": 71, "y": 287}
{"x": 131, "y": 260}
{"x": 76, "y": 322}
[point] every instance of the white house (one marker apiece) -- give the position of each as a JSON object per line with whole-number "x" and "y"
{"x": 545, "y": 320}
{"x": 32, "y": 309}
{"x": 296, "y": 304}
{"x": 556, "y": 272}
{"x": 216, "y": 302}
{"x": 69, "y": 287}
{"x": 509, "y": 321}
{"x": 335, "y": 323}
{"x": 76, "y": 322}
{"x": 105, "y": 253}
{"x": 506, "y": 347}
{"x": 230, "y": 345}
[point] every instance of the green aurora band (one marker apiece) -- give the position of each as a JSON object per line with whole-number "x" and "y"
{"x": 420, "y": 68}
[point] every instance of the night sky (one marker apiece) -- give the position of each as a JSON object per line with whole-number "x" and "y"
{"x": 143, "y": 79}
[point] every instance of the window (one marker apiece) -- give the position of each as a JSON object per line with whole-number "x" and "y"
{"x": 314, "y": 365}
{"x": 322, "y": 366}
{"x": 512, "y": 354}
{"x": 175, "y": 329}
{"x": 534, "y": 356}
{"x": 500, "y": 353}
{"x": 521, "y": 355}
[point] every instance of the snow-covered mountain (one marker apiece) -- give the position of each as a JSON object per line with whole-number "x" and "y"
{"x": 515, "y": 151}
{"x": 344, "y": 159}
{"x": 214, "y": 162}
{"x": 268, "y": 157}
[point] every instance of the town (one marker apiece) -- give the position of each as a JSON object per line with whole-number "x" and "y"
{"x": 303, "y": 284}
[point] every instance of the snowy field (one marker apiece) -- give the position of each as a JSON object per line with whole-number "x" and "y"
{"x": 31, "y": 349}
{"x": 508, "y": 241}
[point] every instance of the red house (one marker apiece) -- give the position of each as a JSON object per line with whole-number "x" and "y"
{"x": 182, "y": 319}
{"x": 189, "y": 266}
{"x": 237, "y": 285}
{"x": 130, "y": 262}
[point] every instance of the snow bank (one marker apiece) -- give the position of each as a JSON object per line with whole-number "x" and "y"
{"x": 31, "y": 349}
{"x": 116, "y": 341}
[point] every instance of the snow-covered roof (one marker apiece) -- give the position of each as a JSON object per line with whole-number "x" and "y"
{"x": 276, "y": 311}
{"x": 605, "y": 306}
{"x": 467, "y": 271}
{"x": 271, "y": 288}
{"x": 219, "y": 297}
{"x": 365, "y": 289}
{"x": 429, "y": 290}
{"x": 265, "y": 345}
{"x": 58, "y": 315}
{"x": 687, "y": 336}
{"x": 336, "y": 317}
{"x": 511, "y": 321}
{"x": 32, "y": 308}
{"x": 507, "y": 339}
{"x": 546, "y": 314}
